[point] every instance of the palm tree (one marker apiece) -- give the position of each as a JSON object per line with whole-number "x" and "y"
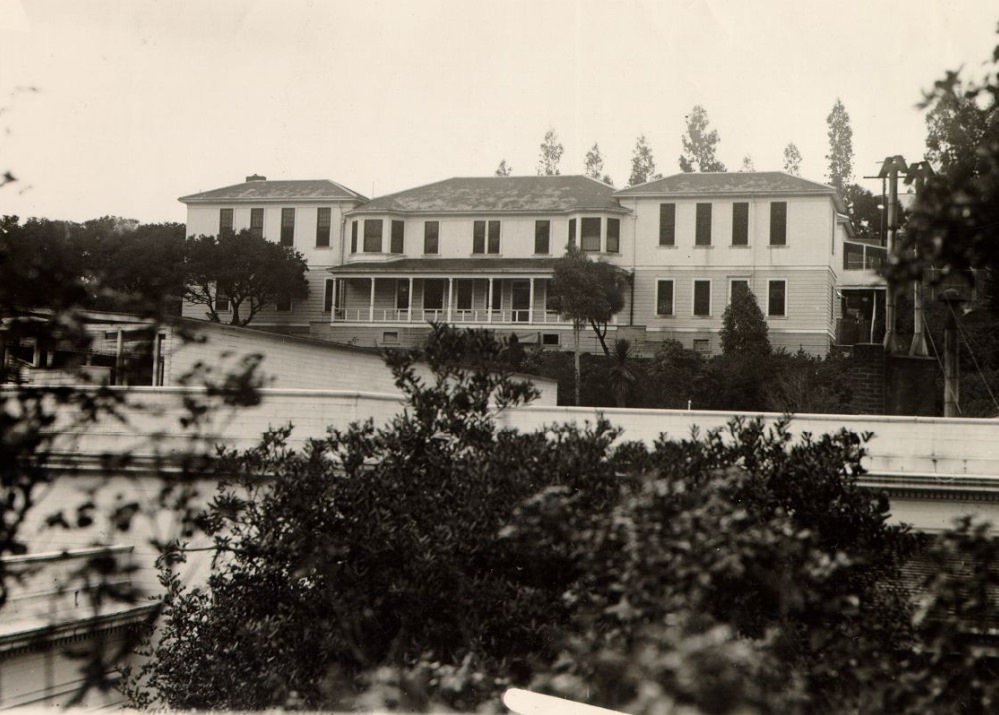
{"x": 623, "y": 373}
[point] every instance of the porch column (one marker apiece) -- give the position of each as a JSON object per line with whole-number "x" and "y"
{"x": 335, "y": 300}
{"x": 157, "y": 347}
{"x": 530, "y": 305}
{"x": 489, "y": 302}
{"x": 409, "y": 311}
{"x": 450, "y": 297}
{"x": 371, "y": 302}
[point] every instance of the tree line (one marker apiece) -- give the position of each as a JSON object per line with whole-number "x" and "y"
{"x": 700, "y": 143}
{"x": 120, "y": 264}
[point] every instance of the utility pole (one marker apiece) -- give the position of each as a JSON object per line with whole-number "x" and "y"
{"x": 890, "y": 169}
{"x": 952, "y": 369}
{"x": 918, "y": 173}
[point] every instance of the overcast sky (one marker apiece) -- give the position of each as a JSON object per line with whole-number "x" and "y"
{"x": 119, "y": 107}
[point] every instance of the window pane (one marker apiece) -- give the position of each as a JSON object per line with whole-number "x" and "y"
{"x": 225, "y": 222}
{"x": 372, "y": 235}
{"x": 287, "y": 227}
{"x": 257, "y": 222}
{"x": 777, "y": 300}
{"x": 613, "y": 235}
{"x": 667, "y": 224}
{"x": 590, "y": 234}
{"x": 703, "y": 234}
{"x": 664, "y": 298}
{"x": 479, "y": 237}
{"x": 398, "y": 236}
{"x": 572, "y": 232}
{"x": 702, "y": 298}
{"x": 542, "y": 232}
{"x": 323, "y": 221}
{"x": 353, "y": 236}
{"x": 740, "y": 224}
{"x": 494, "y": 236}
{"x": 431, "y": 232}
{"x": 778, "y": 223}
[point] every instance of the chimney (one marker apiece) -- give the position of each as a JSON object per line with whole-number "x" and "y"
{"x": 256, "y": 177}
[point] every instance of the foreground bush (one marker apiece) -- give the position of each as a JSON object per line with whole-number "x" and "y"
{"x": 438, "y": 560}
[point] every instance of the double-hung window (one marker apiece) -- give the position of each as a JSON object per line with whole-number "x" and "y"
{"x": 257, "y": 223}
{"x": 225, "y": 222}
{"x": 777, "y": 299}
{"x": 431, "y": 237}
{"x": 324, "y": 220}
{"x": 702, "y": 298}
{"x": 572, "y": 233}
{"x": 613, "y": 235}
{"x": 486, "y": 237}
{"x": 589, "y": 239}
{"x": 702, "y": 233}
{"x": 372, "y": 235}
{"x": 667, "y": 224}
{"x": 287, "y": 227}
{"x": 542, "y": 237}
{"x": 664, "y": 297}
{"x": 398, "y": 239}
{"x": 778, "y": 223}
{"x": 353, "y": 236}
{"x": 740, "y": 224}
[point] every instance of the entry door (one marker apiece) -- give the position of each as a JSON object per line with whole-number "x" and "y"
{"x": 521, "y": 301}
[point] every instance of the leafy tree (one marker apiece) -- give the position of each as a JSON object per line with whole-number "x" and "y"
{"x": 250, "y": 271}
{"x": 643, "y": 165}
{"x": 744, "y": 329}
{"x": 721, "y": 578}
{"x": 699, "y": 144}
{"x": 865, "y": 209}
{"x": 551, "y": 154}
{"x": 503, "y": 169}
{"x": 792, "y": 159}
{"x": 594, "y": 164}
{"x": 587, "y": 292}
{"x": 952, "y": 226}
{"x": 840, "y": 154}
{"x": 956, "y": 126}
{"x": 747, "y": 164}
{"x": 383, "y": 548}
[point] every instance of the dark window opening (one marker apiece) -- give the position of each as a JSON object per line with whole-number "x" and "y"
{"x": 398, "y": 241}
{"x": 702, "y": 236}
{"x": 287, "y": 227}
{"x": 542, "y": 234}
{"x": 667, "y": 224}
{"x": 324, "y": 219}
{"x": 740, "y": 224}
{"x": 372, "y": 235}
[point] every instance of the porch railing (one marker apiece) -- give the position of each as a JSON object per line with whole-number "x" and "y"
{"x": 473, "y": 316}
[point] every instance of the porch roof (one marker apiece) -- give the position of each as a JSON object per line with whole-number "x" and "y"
{"x": 448, "y": 266}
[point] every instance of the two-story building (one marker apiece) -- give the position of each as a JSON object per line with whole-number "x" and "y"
{"x": 470, "y": 251}
{"x": 306, "y": 215}
{"x": 696, "y": 235}
{"x": 481, "y": 252}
